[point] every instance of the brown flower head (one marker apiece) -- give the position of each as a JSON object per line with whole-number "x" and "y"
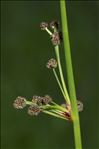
{"x": 54, "y": 24}
{"x": 34, "y": 110}
{"x": 52, "y": 63}
{"x": 55, "y": 38}
{"x": 19, "y": 103}
{"x": 80, "y": 106}
{"x": 37, "y": 99}
{"x": 43, "y": 25}
{"x": 47, "y": 99}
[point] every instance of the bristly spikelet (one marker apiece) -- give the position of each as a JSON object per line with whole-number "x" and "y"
{"x": 19, "y": 103}
{"x": 52, "y": 63}
{"x": 34, "y": 110}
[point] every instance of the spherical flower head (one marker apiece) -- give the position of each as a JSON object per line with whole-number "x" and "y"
{"x": 52, "y": 63}
{"x": 47, "y": 99}
{"x": 34, "y": 110}
{"x": 55, "y": 38}
{"x": 43, "y": 25}
{"x": 19, "y": 103}
{"x": 80, "y": 106}
{"x": 54, "y": 24}
{"x": 37, "y": 99}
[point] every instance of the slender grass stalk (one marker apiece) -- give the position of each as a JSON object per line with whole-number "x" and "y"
{"x": 58, "y": 81}
{"x": 53, "y": 114}
{"x": 54, "y": 106}
{"x": 71, "y": 84}
{"x": 48, "y": 31}
{"x": 61, "y": 74}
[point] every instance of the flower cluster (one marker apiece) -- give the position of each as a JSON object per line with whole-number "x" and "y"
{"x": 41, "y": 100}
{"x": 56, "y": 37}
{"x": 34, "y": 110}
{"x": 52, "y": 63}
{"x": 35, "y": 105}
{"x": 45, "y": 103}
{"x": 19, "y": 103}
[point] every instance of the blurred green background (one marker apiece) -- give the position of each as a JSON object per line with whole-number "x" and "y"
{"x": 25, "y": 51}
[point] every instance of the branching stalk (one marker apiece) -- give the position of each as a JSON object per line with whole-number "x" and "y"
{"x": 53, "y": 114}
{"x": 61, "y": 74}
{"x": 58, "y": 81}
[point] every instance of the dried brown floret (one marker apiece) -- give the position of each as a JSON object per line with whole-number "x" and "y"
{"x": 52, "y": 63}
{"x": 37, "y": 99}
{"x": 34, "y": 110}
{"x": 54, "y": 24}
{"x": 19, "y": 103}
{"x": 43, "y": 25}
{"x": 80, "y": 106}
{"x": 47, "y": 99}
{"x": 55, "y": 38}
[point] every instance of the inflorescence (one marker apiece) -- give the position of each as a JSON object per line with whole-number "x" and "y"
{"x": 45, "y": 103}
{"x": 40, "y": 104}
{"x": 56, "y": 36}
{"x": 52, "y": 63}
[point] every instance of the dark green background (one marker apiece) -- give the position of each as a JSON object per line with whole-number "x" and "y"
{"x": 25, "y": 51}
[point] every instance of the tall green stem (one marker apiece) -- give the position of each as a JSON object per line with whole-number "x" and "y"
{"x": 71, "y": 84}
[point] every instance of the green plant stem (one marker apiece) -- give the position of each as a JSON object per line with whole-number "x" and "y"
{"x": 58, "y": 81}
{"x": 48, "y": 106}
{"x": 75, "y": 116}
{"x": 48, "y": 31}
{"x": 53, "y": 110}
{"x": 60, "y": 107}
{"x": 53, "y": 114}
{"x": 61, "y": 74}
{"x": 29, "y": 102}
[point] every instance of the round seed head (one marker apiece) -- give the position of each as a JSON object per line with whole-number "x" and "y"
{"x": 34, "y": 110}
{"x": 68, "y": 107}
{"x": 37, "y": 99}
{"x": 47, "y": 99}
{"x": 55, "y": 38}
{"x": 52, "y": 63}
{"x": 43, "y": 25}
{"x": 54, "y": 24}
{"x": 80, "y": 106}
{"x": 19, "y": 103}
